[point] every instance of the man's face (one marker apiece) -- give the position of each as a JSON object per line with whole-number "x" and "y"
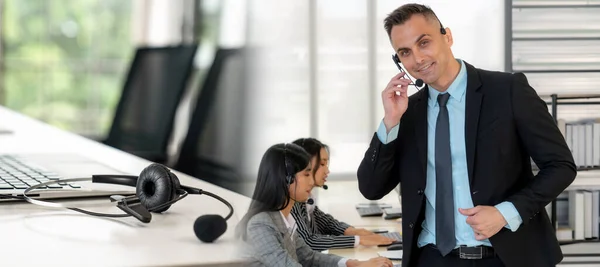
{"x": 422, "y": 49}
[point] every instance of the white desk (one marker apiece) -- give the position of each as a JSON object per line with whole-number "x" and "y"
{"x": 342, "y": 197}
{"x": 340, "y": 201}
{"x": 37, "y": 236}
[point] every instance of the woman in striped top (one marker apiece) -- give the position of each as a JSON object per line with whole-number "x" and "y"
{"x": 320, "y": 230}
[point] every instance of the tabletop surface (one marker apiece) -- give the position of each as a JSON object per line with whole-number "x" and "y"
{"x": 40, "y": 236}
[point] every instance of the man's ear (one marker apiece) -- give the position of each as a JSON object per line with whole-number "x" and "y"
{"x": 448, "y": 37}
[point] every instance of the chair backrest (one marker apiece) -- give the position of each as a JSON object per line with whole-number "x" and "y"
{"x": 212, "y": 143}
{"x": 145, "y": 114}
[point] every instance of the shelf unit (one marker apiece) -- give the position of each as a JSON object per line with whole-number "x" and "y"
{"x": 570, "y": 100}
{"x": 556, "y": 44}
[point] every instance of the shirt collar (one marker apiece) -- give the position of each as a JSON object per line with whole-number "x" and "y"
{"x": 456, "y": 89}
{"x": 289, "y": 220}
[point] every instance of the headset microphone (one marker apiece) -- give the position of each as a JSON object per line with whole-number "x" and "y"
{"x": 209, "y": 227}
{"x": 325, "y": 187}
{"x": 310, "y": 201}
{"x": 419, "y": 83}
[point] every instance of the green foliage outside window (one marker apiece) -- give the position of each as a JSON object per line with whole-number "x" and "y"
{"x": 65, "y": 60}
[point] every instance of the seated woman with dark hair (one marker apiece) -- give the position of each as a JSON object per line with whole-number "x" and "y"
{"x": 320, "y": 230}
{"x": 268, "y": 229}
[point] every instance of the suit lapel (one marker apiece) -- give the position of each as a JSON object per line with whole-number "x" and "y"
{"x": 278, "y": 221}
{"x": 473, "y": 107}
{"x": 421, "y": 126}
{"x": 288, "y": 244}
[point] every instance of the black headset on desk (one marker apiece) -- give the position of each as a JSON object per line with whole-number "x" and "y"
{"x": 157, "y": 188}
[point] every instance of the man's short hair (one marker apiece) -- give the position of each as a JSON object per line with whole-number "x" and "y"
{"x": 404, "y": 13}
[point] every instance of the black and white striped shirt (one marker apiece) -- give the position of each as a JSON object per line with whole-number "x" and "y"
{"x": 320, "y": 230}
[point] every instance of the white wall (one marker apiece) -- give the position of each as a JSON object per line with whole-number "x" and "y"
{"x": 157, "y": 22}
{"x": 338, "y": 72}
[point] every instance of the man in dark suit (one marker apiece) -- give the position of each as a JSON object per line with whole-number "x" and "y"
{"x": 461, "y": 150}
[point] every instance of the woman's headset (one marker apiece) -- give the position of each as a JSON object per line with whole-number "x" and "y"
{"x": 289, "y": 176}
{"x": 157, "y": 188}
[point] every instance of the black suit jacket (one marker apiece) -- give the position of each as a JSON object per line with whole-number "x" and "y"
{"x": 506, "y": 123}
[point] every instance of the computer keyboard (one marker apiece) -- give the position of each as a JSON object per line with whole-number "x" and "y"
{"x": 393, "y": 235}
{"x": 18, "y": 174}
{"x": 369, "y": 211}
{"x": 392, "y": 213}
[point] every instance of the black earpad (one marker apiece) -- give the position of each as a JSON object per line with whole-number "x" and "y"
{"x": 155, "y": 187}
{"x": 176, "y": 184}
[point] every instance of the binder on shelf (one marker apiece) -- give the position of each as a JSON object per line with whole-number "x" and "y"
{"x": 569, "y": 136}
{"x": 587, "y": 215}
{"x": 596, "y": 144}
{"x": 576, "y": 214}
{"x": 580, "y": 146}
{"x": 588, "y": 145}
{"x": 596, "y": 214}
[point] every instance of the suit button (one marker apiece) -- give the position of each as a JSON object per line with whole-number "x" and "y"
{"x": 420, "y": 191}
{"x": 411, "y": 225}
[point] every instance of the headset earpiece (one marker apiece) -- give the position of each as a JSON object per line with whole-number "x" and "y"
{"x": 175, "y": 183}
{"x": 442, "y": 29}
{"x": 155, "y": 186}
{"x": 289, "y": 177}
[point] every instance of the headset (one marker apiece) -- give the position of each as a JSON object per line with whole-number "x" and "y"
{"x": 157, "y": 188}
{"x": 289, "y": 177}
{"x": 417, "y": 83}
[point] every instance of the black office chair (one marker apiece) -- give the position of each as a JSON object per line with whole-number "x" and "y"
{"x": 145, "y": 114}
{"x": 211, "y": 148}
